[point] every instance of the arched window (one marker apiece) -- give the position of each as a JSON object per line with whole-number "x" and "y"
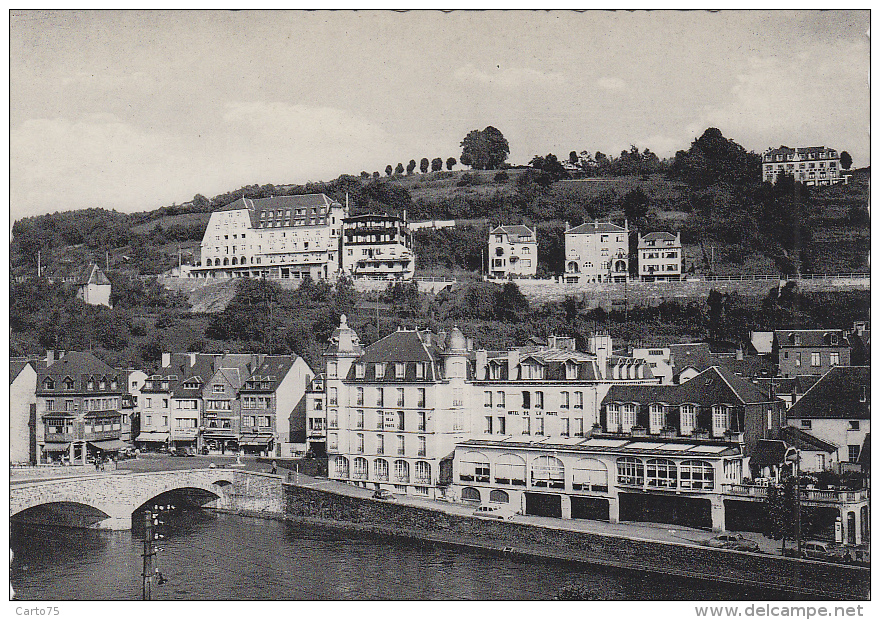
{"x": 360, "y": 468}
{"x": 699, "y": 475}
{"x": 662, "y": 473}
{"x": 380, "y": 469}
{"x": 341, "y": 467}
{"x": 498, "y": 496}
{"x": 423, "y": 472}
{"x": 225, "y": 261}
{"x": 474, "y": 468}
{"x": 244, "y": 260}
{"x": 401, "y": 471}
{"x": 620, "y": 266}
{"x": 208, "y": 262}
{"x": 630, "y": 471}
{"x": 548, "y": 471}
{"x": 590, "y": 475}
{"x": 470, "y": 494}
{"x": 234, "y": 260}
{"x": 687, "y": 418}
{"x": 573, "y": 267}
{"x": 510, "y": 469}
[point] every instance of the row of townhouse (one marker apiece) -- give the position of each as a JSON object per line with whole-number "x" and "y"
{"x": 308, "y": 235}
{"x": 545, "y": 428}
{"x": 251, "y": 403}
{"x": 594, "y": 252}
{"x": 70, "y": 406}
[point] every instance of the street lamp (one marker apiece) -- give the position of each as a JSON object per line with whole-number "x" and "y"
{"x": 797, "y": 491}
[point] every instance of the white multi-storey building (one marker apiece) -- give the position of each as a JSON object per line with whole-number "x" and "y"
{"x": 377, "y": 246}
{"x": 811, "y": 165}
{"x": 597, "y": 252}
{"x": 279, "y": 237}
{"x": 513, "y": 252}
{"x": 660, "y": 257}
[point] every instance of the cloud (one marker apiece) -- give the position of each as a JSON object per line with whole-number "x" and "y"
{"x": 509, "y": 78}
{"x": 610, "y": 83}
{"x": 818, "y": 95}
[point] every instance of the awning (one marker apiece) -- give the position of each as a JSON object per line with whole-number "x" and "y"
{"x": 255, "y": 440}
{"x": 58, "y": 414}
{"x": 57, "y": 447}
{"x": 108, "y": 413}
{"x": 160, "y": 437}
{"x": 109, "y": 445}
{"x": 217, "y": 434}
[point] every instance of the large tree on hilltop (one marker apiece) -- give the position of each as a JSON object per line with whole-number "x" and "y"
{"x": 484, "y": 150}
{"x": 423, "y": 165}
{"x": 845, "y": 160}
{"x": 712, "y": 158}
{"x": 450, "y": 162}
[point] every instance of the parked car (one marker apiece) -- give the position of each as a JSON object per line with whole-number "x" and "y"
{"x": 735, "y": 542}
{"x": 125, "y": 453}
{"x": 500, "y": 513}
{"x": 182, "y": 452}
{"x": 385, "y": 496}
{"x": 826, "y": 551}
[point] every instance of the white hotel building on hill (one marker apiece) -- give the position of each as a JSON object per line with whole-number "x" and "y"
{"x": 811, "y": 165}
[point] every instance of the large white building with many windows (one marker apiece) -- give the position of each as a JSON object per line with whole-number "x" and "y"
{"x": 513, "y": 252}
{"x": 811, "y": 165}
{"x": 597, "y": 252}
{"x": 277, "y": 237}
{"x": 377, "y": 247}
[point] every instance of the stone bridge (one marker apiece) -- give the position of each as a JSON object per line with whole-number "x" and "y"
{"x": 108, "y": 501}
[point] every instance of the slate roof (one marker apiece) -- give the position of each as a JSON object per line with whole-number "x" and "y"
{"x": 811, "y": 338}
{"x": 714, "y": 385}
{"x": 401, "y": 346}
{"x": 762, "y": 342}
{"x": 768, "y": 452}
{"x": 751, "y": 366}
{"x": 693, "y": 355}
{"x": 79, "y": 366}
{"x": 837, "y": 395}
{"x": 595, "y": 227}
{"x": 648, "y": 445}
{"x": 271, "y": 372}
{"x": 76, "y": 274}
{"x": 312, "y": 203}
{"x": 515, "y": 232}
{"x": 803, "y": 440}
{"x": 656, "y": 236}
{"x": 803, "y": 150}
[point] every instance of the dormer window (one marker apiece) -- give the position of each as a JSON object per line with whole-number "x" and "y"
{"x": 91, "y": 384}
{"x": 359, "y": 370}
{"x": 399, "y": 370}
{"x": 380, "y": 370}
{"x": 832, "y": 339}
{"x": 571, "y": 370}
{"x": 420, "y": 370}
{"x": 49, "y": 383}
{"x": 102, "y": 384}
{"x": 68, "y": 383}
{"x": 114, "y": 384}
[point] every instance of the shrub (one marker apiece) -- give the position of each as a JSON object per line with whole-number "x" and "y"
{"x": 501, "y": 177}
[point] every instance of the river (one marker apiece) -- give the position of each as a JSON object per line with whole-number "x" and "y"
{"x": 212, "y": 556}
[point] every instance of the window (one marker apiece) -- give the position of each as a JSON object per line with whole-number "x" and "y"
{"x": 564, "y": 400}
{"x": 815, "y": 358}
{"x": 360, "y": 443}
{"x": 797, "y": 359}
{"x": 420, "y": 370}
{"x": 50, "y": 405}
{"x": 590, "y": 475}
{"x": 470, "y": 494}
{"x": 341, "y": 467}
{"x": 526, "y": 400}
{"x": 421, "y": 397}
{"x": 380, "y": 397}
{"x": 630, "y": 471}
{"x": 487, "y": 398}
{"x": 697, "y": 475}
{"x": 578, "y": 427}
{"x": 661, "y": 473}
{"x": 657, "y": 416}
{"x": 333, "y": 397}
{"x": 853, "y": 453}
{"x": 863, "y": 394}
{"x": 423, "y": 446}
{"x": 571, "y": 370}
{"x": 834, "y": 358}
{"x": 548, "y": 471}
{"x": 399, "y": 370}
{"x": 149, "y": 420}
{"x": 720, "y": 419}
{"x": 808, "y": 424}
{"x": 423, "y": 421}
{"x": 500, "y": 399}
{"x": 854, "y": 425}
{"x": 400, "y": 398}
{"x": 359, "y": 370}
{"x": 487, "y": 427}
{"x": 498, "y": 496}
{"x": 359, "y": 418}
{"x": 688, "y": 419}
{"x": 539, "y": 426}
{"x": 566, "y": 427}
{"x": 578, "y": 400}
{"x": 401, "y": 445}
{"x": 401, "y": 471}
{"x": 510, "y": 469}
{"x": 526, "y": 426}
{"x": 359, "y": 401}
{"x": 380, "y": 370}
{"x": 332, "y": 370}
{"x": 333, "y": 418}
{"x": 474, "y": 468}
{"x": 628, "y": 417}
{"x": 423, "y": 473}
{"x": 380, "y": 444}
{"x": 539, "y": 400}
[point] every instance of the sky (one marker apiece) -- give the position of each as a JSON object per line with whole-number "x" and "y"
{"x": 137, "y": 110}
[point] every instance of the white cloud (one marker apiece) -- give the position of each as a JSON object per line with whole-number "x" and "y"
{"x": 509, "y": 78}
{"x": 610, "y": 83}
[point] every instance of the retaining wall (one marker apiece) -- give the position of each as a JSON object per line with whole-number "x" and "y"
{"x": 806, "y": 577}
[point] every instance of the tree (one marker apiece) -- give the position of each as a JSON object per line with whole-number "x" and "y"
{"x": 573, "y": 158}
{"x": 484, "y": 150}
{"x": 376, "y": 174}
{"x": 365, "y": 174}
{"x": 399, "y": 168}
{"x": 635, "y": 207}
{"x": 411, "y": 166}
{"x": 450, "y": 162}
{"x": 713, "y": 159}
{"x": 389, "y": 170}
{"x": 845, "y": 160}
{"x": 423, "y": 165}
{"x": 436, "y": 164}
{"x": 549, "y": 165}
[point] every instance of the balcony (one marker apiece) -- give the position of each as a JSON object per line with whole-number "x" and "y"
{"x": 60, "y": 437}
{"x": 517, "y": 482}
{"x": 830, "y": 496}
{"x": 404, "y": 479}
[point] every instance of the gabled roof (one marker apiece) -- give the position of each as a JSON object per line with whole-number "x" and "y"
{"x": 693, "y": 355}
{"x": 713, "y": 386}
{"x": 77, "y": 364}
{"x": 272, "y": 371}
{"x": 837, "y": 395}
{"x": 768, "y": 453}
{"x": 595, "y": 227}
{"x": 656, "y": 236}
{"x": 751, "y": 366}
{"x": 803, "y": 440}
{"x": 399, "y": 346}
{"x": 810, "y": 338}
{"x": 515, "y": 232}
{"x": 17, "y": 365}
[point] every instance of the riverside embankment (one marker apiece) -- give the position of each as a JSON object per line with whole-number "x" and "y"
{"x": 807, "y": 578}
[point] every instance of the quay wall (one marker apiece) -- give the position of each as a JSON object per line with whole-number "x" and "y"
{"x": 806, "y": 577}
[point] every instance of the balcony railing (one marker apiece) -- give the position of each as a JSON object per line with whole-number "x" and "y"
{"x": 401, "y": 478}
{"x": 381, "y": 477}
{"x": 834, "y": 496}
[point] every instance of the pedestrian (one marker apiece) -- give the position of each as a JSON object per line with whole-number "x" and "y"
{"x": 274, "y": 467}
{"x": 97, "y": 464}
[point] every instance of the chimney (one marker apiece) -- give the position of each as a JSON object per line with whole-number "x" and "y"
{"x": 482, "y": 364}
{"x": 470, "y": 343}
{"x": 192, "y": 359}
{"x": 739, "y": 353}
{"x": 567, "y": 226}
{"x": 512, "y": 363}
{"x": 166, "y": 360}
{"x": 50, "y": 357}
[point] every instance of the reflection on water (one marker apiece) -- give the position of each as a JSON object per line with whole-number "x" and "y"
{"x": 208, "y": 556}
